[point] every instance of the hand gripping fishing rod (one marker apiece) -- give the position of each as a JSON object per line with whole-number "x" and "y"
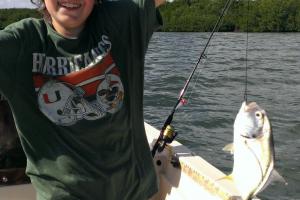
{"x": 167, "y": 133}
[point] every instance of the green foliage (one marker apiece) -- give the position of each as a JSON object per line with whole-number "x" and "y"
{"x": 8, "y": 16}
{"x": 243, "y": 15}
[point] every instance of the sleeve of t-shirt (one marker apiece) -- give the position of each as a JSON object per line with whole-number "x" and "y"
{"x": 9, "y": 52}
{"x": 149, "y": 17}
{"x": 133, "y": 21}
{"x": 149, "y": 14}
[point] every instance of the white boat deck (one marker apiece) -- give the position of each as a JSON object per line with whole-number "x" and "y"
{"x": 194, "y": 179}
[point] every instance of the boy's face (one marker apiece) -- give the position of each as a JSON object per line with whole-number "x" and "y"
{"x": 69, "y": 15}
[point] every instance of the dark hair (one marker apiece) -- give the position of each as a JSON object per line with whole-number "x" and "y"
{"x": 39, "y": 3}
{"x": 42, "y": 8}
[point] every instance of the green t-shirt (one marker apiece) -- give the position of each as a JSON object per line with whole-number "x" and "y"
{"x": 78, "y": 103}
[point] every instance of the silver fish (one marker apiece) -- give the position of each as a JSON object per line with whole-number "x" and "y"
{"x": 253, "y": 149}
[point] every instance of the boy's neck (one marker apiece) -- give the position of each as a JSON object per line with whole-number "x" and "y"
{"x": 70, "y": 33}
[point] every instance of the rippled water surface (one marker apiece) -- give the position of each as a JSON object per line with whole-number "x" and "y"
{"x": 205, "y": 124}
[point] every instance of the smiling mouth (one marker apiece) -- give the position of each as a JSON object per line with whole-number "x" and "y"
{"x": 69, "y": 4}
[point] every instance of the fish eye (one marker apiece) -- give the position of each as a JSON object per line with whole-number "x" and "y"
{"x": 258, "y": 115}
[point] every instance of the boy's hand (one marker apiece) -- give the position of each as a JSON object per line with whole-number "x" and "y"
{"x": 160, "y": 2}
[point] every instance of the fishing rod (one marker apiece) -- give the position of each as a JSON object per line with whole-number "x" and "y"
{"x": 167, "y": 133}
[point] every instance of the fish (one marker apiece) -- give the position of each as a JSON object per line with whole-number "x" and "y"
{"x": 253, "y": 151}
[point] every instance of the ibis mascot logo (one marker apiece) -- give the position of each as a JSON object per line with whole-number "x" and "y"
{"x": 82, "y": 87}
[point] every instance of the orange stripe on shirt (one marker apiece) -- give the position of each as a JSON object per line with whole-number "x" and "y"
{"x": 87, "y": 73}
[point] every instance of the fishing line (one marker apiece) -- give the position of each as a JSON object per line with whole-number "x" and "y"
{"x": 217, "y": 28}
{"x": 195, "y": 84}
{"x": 246, "y": 56}
{"x": 167, "y": 133}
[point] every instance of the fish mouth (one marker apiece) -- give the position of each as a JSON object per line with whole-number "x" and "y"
{"x": 251, "y": 137}
{"x": 247, "y": 137}
{"x": 248, "y": 107}
{"x": 254, "y": 134}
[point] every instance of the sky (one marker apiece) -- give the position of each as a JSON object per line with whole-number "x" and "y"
{"x": 16, "y": 4}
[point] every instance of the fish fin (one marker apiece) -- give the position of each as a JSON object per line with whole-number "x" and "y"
{"x": 229, "y": 148}
{"x": 277, "y": 177}
{"x": 228, "y": 177}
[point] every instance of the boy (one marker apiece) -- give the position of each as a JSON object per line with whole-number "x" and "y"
{"x": 74, "y": 81}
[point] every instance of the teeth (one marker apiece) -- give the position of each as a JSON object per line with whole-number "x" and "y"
{"x": 70, "y": 4}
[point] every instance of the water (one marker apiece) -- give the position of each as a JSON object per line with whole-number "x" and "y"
{"x": 205, "y": 125}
